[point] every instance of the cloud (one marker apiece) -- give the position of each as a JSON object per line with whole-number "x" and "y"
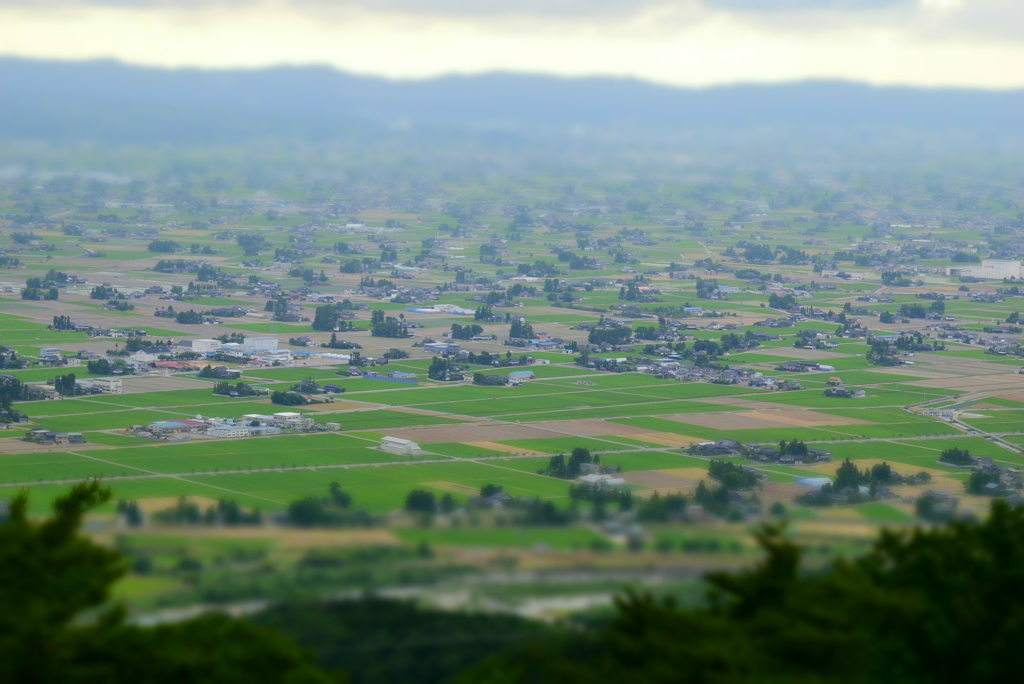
{"x": 685, "y": 42}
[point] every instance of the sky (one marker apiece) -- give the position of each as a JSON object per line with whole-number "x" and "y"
{"x": 930, "y": 43}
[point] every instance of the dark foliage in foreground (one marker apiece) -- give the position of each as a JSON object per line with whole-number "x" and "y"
{"x": 384, "y": 641}
{"x": 50, "y": 578}
{"x": 936, "y": 605}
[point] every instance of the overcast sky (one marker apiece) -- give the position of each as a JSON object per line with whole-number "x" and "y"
{"x": 974, "y": 43}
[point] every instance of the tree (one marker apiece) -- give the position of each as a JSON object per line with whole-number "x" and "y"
{"x": 847, "y": 475}
{"x": 49, "y": 576}
{"x": 163, "y": 246}
{"x": 287, "y": 398}
{"x": 884, "y": 617}
{"x": 339, "y": 498}
{"x": 98, "y": 367}
{"x": 955, "y": 456}
{"x": 131, "y": 512}
{"x": 63, "y": 323}
{"x": 65, "y": 384}
{"x": 420, "y": 501}
{"x": 521, "y": 330}
{"x": 979, "y": 482}
{"x": 465, "y": 332}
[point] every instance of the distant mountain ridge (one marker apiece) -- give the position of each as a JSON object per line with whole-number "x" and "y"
{"x": 104, "y": 100}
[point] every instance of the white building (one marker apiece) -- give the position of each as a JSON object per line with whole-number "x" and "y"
{"x": 292, "y": 421}
{"x": 395, "y": 445}
{"x": 228, "y": 431}
{"x": 109, "y": 385}
{"x": 254, "y": 345}
{"x": 205, "y": 345}
{"x": 991, "y": 269}
{"x": 281, "y": 355}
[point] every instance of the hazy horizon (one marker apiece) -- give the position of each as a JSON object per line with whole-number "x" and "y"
{"x": 924, "y": 43}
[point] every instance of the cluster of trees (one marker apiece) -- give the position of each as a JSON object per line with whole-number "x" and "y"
{"x": 22, "y": 238}
{"x": 65, "y": 385}
{"x": 51, "y": 575}
{"x": 207, "y": 371}
{"x": 793, "y": 448}
{"x": 955, "y": 456}
{"x": 381, "y": 327}
{"x": 879, "y": 354}
{"x": 979, "y": 481}
{"x": 466, "y": 332}
{"x": 333, "y": 510}
{"x": 380, "y": 282}
{"x": 622, "y": 334}
{"x": 308, "y": 275}
{"x": 251, "y": 243}
{"x": 732, "y": 475}
{"x": 569, "y": 468}
{"x": 11, "y": 390}
{"x": 395, "y": 353}
{"x": 9, "y": 261}
{"x": 279, "y": 307}
{"x": 131, "y": 512}
{"x": 521, "y": 330}
{"x": 351, "y": 266}
{"x": 100, "y": 366}
{"x": 717, "y": 500}
{"x": 895, "y": 279}
{"x": 33, "y": 292}
{"x": 914, "y": 310}
{"x": 444, "y": 369}
{"x": 577, "y": 262}
{"x": 163, "y": 246}
{"x": 191, "y": 316}
{"x": 63, "y": 323}
{"x": 186, "y": 512}
{"x": 849, "y": 477}
{"x": 9, "y": 358}
{"x": 282, "y": 398}
{"x": 630, "y": 292}
{"x": 542, "y": 268}
{"x": 172, "y": 265}
{"x": 965, "y": 258}
{"x": 646, "y": 332}
{"x": 45, "y": 287}
{"x": 756, "y": 253}
{"x": 423, "y": 502}
{"x": 601, "y": 497}
{"x": 917, "y": 343}
{"x": 101, "y": 292}
{"x": 377, "y": 640}
{"x": 486, "y": 358}
{"x": 889, "y": 618}
{"x": 335, "y": 343}
{"x": 785, "y": 302}
{"x": 792, "y": 256}
{"x": 658, "y": 508}
{"x": 226, "y": 388}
